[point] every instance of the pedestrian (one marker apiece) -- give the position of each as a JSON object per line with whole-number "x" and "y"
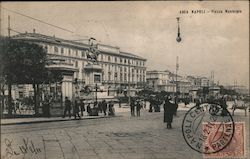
{"x": 223, "y": 104}
{"x": 104, "y": 107}
{"x": 67, "y": 107}
{"x": 138, "y": 108}
{"x": 95, "y": 109}
{"x": 169, "y": 110}
{"x": 120, "y": 102}
{"x": 82, "y": 107}
{"x": 132, "y": 107}
{"x": 111, "y": 109}
{"x": 76, "y": 108}
{"x": 197, "y": 103}
{"x": 18, "y": 106}
{"x": 150, "y": 106}
{"x": 46, "y": 107}
{"x": 100, "y": 107}
{"x": 89, "y": 110}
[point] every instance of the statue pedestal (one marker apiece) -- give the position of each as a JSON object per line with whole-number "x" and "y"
{"x": 93, "y": 78}
{"x": 93, "y": 74}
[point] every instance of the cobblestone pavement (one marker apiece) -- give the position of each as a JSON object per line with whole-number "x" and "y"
{"x": 108, "y": 138}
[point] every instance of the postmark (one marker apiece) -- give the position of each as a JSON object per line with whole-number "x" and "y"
{"x": 208, "y": 128}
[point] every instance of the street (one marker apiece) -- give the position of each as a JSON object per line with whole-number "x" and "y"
{"x": 122, "y": 137}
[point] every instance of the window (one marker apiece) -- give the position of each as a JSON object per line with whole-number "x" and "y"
{"x": 108, "y": 58}
{"x": 101, "y": 57}
{"x": 121, "y": 77}
{"x": 83, "y": 54}
{"x": 125, "y": 77}
{"x": 125, "y": 61}
{"x": 115, "y": 59}
{"x": 97, "y": 78}
{"x": 69, "y": 52}
{"x": 109, "y": 76}
{"x": 76, "y": 63}
{"x": 55, "y": 49}
{"x": 62, "y": 51}
{"x": 76, "y": 53}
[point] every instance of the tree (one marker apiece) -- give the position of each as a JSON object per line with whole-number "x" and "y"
{"x": 23, "y": 63}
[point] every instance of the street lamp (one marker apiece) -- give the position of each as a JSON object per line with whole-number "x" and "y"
{"x": 129, "y": 82}
{"x": 178, "y": 39}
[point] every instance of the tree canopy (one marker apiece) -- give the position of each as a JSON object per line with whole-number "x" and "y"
{"x": 22, "y": 62}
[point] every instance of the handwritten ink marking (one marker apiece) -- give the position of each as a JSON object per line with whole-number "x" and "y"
{"x": 27, "y": 147}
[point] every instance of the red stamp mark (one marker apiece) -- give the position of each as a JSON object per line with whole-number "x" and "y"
{"x": 235, "y": 149}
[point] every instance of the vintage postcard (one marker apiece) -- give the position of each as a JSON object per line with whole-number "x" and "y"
{"x": 124, "y": 79}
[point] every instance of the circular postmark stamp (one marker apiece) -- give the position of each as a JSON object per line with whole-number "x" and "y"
{"x": 208, "y": 128}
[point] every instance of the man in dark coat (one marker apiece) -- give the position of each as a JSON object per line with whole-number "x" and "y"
{"x": 169, "y": 110}
{"x": 76, "y": 108}
{"x": 138, "y": 108}
{"x": 82, "y": 106}
{"x": 104, "y": 107}
{"x": 89, "y": 109}
{"x": 132, "y": 107}
{"x": 111, "y": 109}
{"x": 67, "y": 107}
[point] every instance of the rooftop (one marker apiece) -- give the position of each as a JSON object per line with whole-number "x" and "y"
{"x": 60, "y": 41}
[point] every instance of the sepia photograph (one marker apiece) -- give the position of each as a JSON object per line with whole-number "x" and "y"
{"x": 124, "y": 80}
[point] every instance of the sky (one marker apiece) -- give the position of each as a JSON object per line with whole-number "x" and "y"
{"x": 217, "y": 42}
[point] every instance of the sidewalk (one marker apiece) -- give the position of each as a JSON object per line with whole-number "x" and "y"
{"x": 14, "y": 121}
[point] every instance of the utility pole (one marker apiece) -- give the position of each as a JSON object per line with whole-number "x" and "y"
{"x": 0, "y": 19}
{"x": 96, "y": 92}
{"x": 129, "y": 82}
{"x": 177, "y": 68}
{"x": 178, "y": 39}
{"x": 8, "y": 26}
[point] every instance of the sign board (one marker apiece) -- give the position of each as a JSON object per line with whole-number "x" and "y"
{"x": 108, "y": 48}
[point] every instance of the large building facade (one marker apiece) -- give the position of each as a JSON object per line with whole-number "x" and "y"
{"x": 117, "y": 70}
{"x": 161, "y": 81}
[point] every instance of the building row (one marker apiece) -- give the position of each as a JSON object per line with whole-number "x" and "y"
{"x": 116, "y": 70}
{"x": 186, "y": 86}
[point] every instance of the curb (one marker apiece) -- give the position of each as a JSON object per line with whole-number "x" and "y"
{"x": 59, "y": 120}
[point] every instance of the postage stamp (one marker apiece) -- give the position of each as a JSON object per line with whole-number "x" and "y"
{"x": 208, "y": 128}
{"x": 236, "y": 148}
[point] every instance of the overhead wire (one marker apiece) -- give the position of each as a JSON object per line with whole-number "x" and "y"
{"x": 41, "y": 21}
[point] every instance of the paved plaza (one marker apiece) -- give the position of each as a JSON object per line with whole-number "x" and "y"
{"x": 121, "y": 137}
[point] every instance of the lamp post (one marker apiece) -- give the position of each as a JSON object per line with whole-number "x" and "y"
{"x": 129, "y": 82}
{"x": 177, "y": 67}
{"x": 96, "y": 92}
{"x": 178, "y": 39}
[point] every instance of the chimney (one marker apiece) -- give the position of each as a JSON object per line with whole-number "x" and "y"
{"x": 34, "y": 30}
{"x": 26, "y": 32}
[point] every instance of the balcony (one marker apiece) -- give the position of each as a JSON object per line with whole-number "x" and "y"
{"x": 62, "y": 65}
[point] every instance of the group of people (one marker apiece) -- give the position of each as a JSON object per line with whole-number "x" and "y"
{"x": 136, "y": 104}
{"x": 79, "y": 106}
